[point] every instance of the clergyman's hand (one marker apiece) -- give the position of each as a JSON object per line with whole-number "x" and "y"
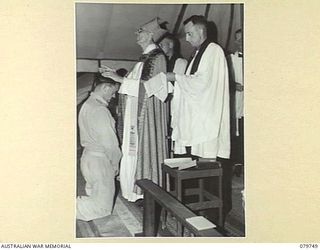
{"x": 239, "y": 87}
{"x": 116, "y": 172}
{"x": 171, "y": 76}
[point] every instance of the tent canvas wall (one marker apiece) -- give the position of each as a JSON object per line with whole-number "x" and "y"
{"x": 106, "y": 31}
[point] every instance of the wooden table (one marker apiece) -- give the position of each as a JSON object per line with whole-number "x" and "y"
{"x": 206, "y": 200}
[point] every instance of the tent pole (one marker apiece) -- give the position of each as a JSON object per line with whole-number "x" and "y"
{"x": 230, "y": 26}
{"x": 241, "y": 15}
{"x": 179, "y": 19}
{"x": 206, "y": 14}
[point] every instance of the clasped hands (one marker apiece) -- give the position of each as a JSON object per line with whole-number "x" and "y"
{"x": 110, "y": 73}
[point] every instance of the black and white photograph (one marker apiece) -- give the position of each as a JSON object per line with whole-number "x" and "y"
{"x": 160, "y": 124}
{"x": 160, "y": 120}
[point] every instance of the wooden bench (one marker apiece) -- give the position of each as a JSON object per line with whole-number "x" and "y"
{"x": 156, "y": 198}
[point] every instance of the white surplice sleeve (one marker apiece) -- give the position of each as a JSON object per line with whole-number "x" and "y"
{"x": 158, "y": 86}
{"x": 130, "y": 85}
{"x": 180, "y": 66}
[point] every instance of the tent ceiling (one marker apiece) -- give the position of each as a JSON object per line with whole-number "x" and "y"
{"x": 107, "y": 30}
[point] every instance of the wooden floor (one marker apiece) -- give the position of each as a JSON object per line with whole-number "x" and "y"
{"x": 126, "y": 220}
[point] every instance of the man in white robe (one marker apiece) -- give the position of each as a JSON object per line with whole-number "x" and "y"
{"x": 201, "y": 99}
{"x": 200, "y": 115}
{"x": 101, "y": 154}
{"x": 236, "y": 69}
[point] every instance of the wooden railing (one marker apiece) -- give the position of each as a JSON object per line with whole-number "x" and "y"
{"x": 156, "y": 198}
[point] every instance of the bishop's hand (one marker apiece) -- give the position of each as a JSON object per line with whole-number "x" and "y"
{"x": 105, "y": 69}
{"x": 114, "y": 76}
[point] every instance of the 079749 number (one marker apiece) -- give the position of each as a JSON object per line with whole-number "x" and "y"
{"x": 305, "y": 245}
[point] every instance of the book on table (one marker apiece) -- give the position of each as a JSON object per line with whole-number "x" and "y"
{"x": 180, "y": 163}
{"x": 200, "y": 223}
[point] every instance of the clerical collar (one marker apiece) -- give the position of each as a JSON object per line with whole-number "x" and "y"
{"x": 99, "y": 98}
{"x": 197, "y": 56}
{"x": 149, "y": 48}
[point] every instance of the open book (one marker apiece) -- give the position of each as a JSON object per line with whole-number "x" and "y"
{"x": 180, "y": 163}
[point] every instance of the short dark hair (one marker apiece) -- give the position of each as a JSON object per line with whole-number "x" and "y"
{"x": 102, "y": 85}
{"x": 100, "y": 79}
{"x": 197, "y": 20}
